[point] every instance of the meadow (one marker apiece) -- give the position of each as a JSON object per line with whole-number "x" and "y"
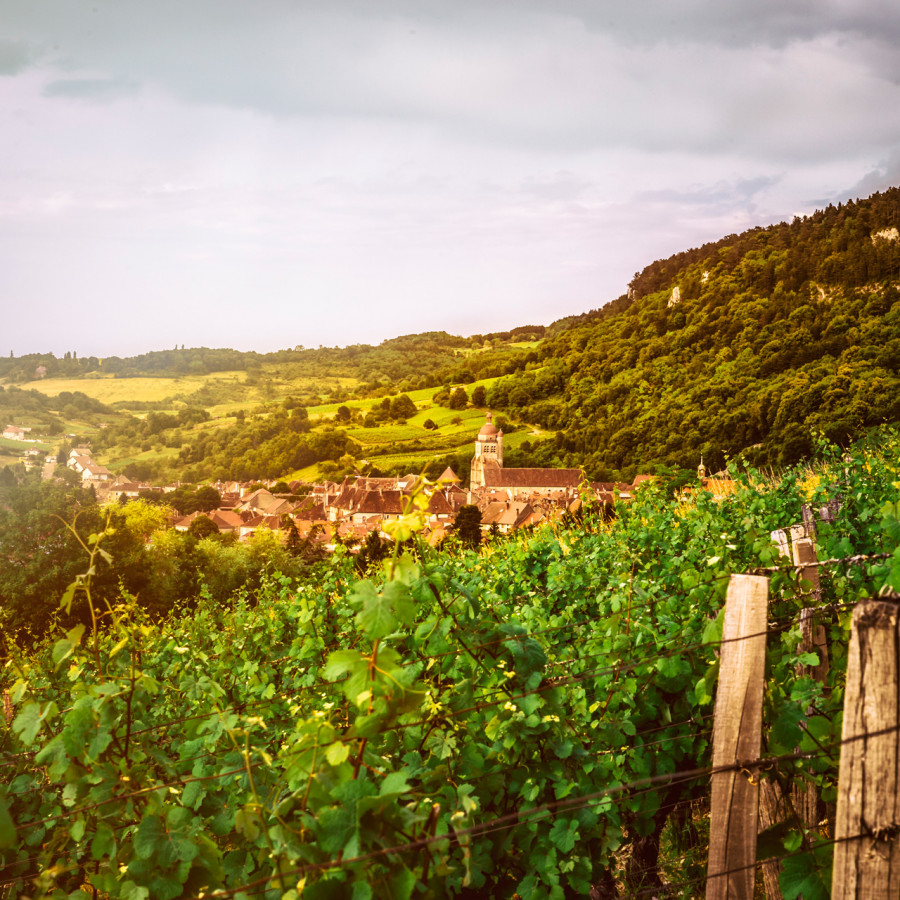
{"x": 233, "y": 397}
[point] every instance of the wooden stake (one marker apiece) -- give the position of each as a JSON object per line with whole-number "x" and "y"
{"x": 737, "y": 737}
{"x": 805, "y": 796}
{"x": 772, "y": 809}
{"x": 804, "y": 554}
{"x": 867, "y": 849}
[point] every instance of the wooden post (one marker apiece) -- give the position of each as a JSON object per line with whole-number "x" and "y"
{"x": 737, "y": 737}
{"x": 804, "y": 555}
{"x": 805, "y": 796}
{"x": 772, "y": 809}
{"x": 867, "y": 849}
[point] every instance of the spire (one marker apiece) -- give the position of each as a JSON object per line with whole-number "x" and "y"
{"x": 701, "y": 469}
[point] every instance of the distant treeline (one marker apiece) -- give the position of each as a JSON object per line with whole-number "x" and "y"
{"x": 388, "y": 362}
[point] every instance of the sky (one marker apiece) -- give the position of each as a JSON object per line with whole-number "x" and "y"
{"x": 277, "y": 173}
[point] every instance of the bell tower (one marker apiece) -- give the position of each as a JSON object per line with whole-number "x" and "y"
{"x": 488, "y": 449}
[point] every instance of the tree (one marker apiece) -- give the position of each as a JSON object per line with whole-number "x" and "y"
{"x": 372, "y": 551}
{"x": 207, "y": 498}
{"x": 203, "y": 527}
{"x": 479, "y": 395}
{"x": 292, "y": 543}
{"x": 459, "y": 399}
{"x": 402, "y": 407}
{"x": 468, "y": 525}
{"x": 430, "y": 425}
{"x": 343, "y": 414}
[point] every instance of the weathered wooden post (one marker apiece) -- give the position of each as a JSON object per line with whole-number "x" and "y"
{"x": 772, "y": 809}
{"x": 805, "y": 797}
{"x": 867, "y": 849}
{"x": 737, "y": 737}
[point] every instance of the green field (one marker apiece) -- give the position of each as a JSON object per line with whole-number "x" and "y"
{"x": 19, "y": 447}
{"x": 222, "y": 393}
{"x": 109, "y": 389}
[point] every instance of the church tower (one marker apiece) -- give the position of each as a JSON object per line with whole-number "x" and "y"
{"x": 488, "y": 451}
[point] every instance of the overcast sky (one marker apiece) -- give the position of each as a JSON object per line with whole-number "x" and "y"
{"x": 259, "y": 175}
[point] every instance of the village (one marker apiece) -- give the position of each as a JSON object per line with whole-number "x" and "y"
{"x": 329, "y": 513}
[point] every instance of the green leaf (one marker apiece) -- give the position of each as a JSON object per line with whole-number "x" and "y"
{"x": 28, "y": 722}
{"x": 131, "y": 891}
{"x": 63, "y": 648}
{"x": 68, "y": 596}
{"x": 394, "y": 783}
{"x": 100, "y": 740}
{"x": 793, "y": 841}
{"x": 337, "y": 753}
{"x": 376, "y": 617}
{"x": 563, "y": 834}
{"x": 362, "y": 891}
{"x": 193, "y": 794}
{"x": 770, "y": 842}
{"x": 712, "y": 633}
{"x": 7, "y": 827}
{"x": 148, "y": 837}
{"x": 800, "y": 878}
{"x": 397, "y": 593}
{"x": 340, "y": 662}
{"x": 76, "y": 829}
{"x": 104, "y": 843}
{"x": 400, "y": 886}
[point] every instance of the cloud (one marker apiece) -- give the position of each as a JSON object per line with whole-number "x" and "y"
{"x": 885, "y": 175}
{"x": 14, "y": 57}
{"x": 97, "y": 89}
{"x": 656, "y": 75}
{"x": 718, "y": 198}
{"x": 396, "y": 165}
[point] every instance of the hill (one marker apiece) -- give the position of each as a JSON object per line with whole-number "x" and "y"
{"x": 753, "y": 343}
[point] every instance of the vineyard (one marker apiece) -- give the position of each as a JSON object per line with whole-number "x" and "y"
{"x": 532, "y": 719}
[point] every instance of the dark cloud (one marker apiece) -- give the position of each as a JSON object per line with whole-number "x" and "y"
{"x": 97, "y": 89}
{"x": 716, "y": 199}
{"x": 14, "y": 57}
{"x": 885, "y": 175}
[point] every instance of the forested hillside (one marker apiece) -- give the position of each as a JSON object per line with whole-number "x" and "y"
{"x": 753, "y": 343}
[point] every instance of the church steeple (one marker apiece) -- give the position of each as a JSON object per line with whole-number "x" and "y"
{"x": 488, "y": 448}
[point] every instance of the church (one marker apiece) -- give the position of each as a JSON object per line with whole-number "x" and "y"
{"x": 488, "y": 473}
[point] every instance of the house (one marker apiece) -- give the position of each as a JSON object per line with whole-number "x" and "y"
{"x": 96, "y": 474}
{"x": 225, "y": 520}
{"x": 14, "y": 433}
{"x": 263, "y": 502}
{"x": 361, "y": 497}
{"x": 506, "y": 516}
{"x": 123, "y": 487}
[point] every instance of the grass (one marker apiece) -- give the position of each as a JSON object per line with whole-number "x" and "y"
{"x": 108, "y": 389}
{"x": 167, "y": 454}
{"x": 21, "y": 446}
